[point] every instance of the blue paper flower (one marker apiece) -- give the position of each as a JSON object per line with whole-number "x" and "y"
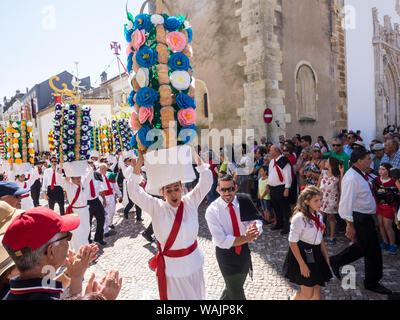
{"x": 130, "y": 98}
{"x": 128, "y": 34}
{"x": 185, "y": 101}
{"x": 142, "y": 21}
{"x": 172, "y": 23}
{"x": 133, "y": 142}
{"x": 187, "y": 134}
{"x": 178, "y": 61}
{"x": 146, "y": 57}
{"x": 146, "y": 97}
{"x": 190, "y": 34}
{"x": 145, "y": 136}
{"x": 130, "y": 62}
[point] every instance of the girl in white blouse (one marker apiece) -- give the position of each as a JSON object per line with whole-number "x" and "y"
{"x": 307, "y": 261}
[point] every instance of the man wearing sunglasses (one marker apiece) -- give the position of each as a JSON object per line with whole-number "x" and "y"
{"x": 11, "y": 193}
{"x": 338, "y": 153}
{"x": 52, "y": 191}
{"x": 233, "y": 221}
{"x": 36, "y": 241}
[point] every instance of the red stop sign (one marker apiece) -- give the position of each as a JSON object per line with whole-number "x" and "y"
{"x": 268, "y": 116}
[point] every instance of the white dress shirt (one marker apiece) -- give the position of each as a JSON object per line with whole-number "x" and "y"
{"x": 302, "y": 230}
{"x": 47, "y": 178}
{"x": 71, "y": 188}
{"x": 273, "y": 178}
{"x": 163, "y": 217}
{"x": 355, "y": 196}
{"x": 220, "y": 223}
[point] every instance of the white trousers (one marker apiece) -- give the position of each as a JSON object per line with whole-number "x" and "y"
{"x": 110, "y": 211}
{"x": 191, "y": 287}
{"x": 80, "y": 236}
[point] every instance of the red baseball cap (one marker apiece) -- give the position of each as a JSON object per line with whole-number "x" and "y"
{"x": 32, "y": 229}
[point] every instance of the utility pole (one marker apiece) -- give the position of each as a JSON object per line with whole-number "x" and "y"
{"x": 152, "y": 6}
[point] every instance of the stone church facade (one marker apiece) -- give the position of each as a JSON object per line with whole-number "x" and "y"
{"x": 285, "y": 55}
{"x": 386, "y": 43}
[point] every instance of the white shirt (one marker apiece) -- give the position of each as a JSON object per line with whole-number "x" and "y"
{"x": 220, "y": 223}
{"x": 71, "y": 188}
{"x": 114, "y": 187}
{"x": 98, "y": 187}
{"x": 47, "y": 177}
{"x": 355, "y": 196}
{"x": 163, "y": 216}
{"x": 302, "y": 230}
{"x": 32, "y": 174}
{"x": 126, "y": 170}
{"x": 273, "y": 178}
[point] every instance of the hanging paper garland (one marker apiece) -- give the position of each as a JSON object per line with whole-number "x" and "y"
{"x": 19, "y": 142}
{"x": 161, "y": 78}
{"x": 2, "y": 143}
{"x": 72, "y": 132}
{"x": 52, "y": 147}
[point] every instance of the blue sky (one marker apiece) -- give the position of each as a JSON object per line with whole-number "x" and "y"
{"x": 40, "y": 39}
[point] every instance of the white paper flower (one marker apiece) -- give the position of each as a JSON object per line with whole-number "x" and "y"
{"x": 15, "y": 125}
{"x": 31, "y": 146}
{"x": 142, "y": 77}
{"x": 129, "y": 25}
{"x": 180, "y": 80}
{"x": 131, "y": 76}
{"x": 17, "y": 155}
{"x": 8, "y": 155}
{"x": 29, "y": 124}
{"x": 15, "y": 145}
{"x": 16, "y": 135}
{"x": 157, "y": 19}
{"x": 187, "y": 24}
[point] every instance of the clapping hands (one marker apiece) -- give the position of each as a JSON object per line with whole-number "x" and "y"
{"x": 76, "y": 265}
{"x": 109, "y": 286}
{"x": 252, "y": 232}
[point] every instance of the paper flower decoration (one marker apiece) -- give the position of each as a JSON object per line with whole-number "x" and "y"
{"x": 145, "y": 136}
{"x": 187, "y": 134}
{"x": 133, "y": 141}
{"x": 130, "y": 62}
{"x": 146, "y": 97}
{"x": 186, "y": 117}
{"x": 146, "y": 57}
{"x": 173, "y": 23}
{"x": 142, "y": 22}
{"x": 176, "y": 41}
{"x": 184, "y": 101}
{"x": 142, "y": 77}
{"x": 178, "y": 61}
{"x": 128, "y": 34}
{"x": 146, "y": 114}
{"x": 180, "y": 80}
{"x": 19, "y": 142}
{"x": 157, "y": 19}
{"x": 134, "y": 122}
{"x": 122, "y": 134}
{"x": 130, "y": 98}
{"x": 139, "y": 38}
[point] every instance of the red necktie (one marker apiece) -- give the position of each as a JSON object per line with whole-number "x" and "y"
{"x": 318, "y": 223}
{"x": 235, "y": 225}
{"x": 278, "y": 171}
{"x": 92, "y": 192}
{"x": 53, "y": 180}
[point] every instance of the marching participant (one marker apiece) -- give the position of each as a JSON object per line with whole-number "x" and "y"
{"x": 77, "y": 190}
{"x": 36, "y": 186}
{"x": 52, "y": 191}
{"x": 20, "y": 180}
{"x": 179, "y": 261}
{"x": 109, "y": 193}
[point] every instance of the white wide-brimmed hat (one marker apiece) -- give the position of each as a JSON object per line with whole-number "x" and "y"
{"x": 94, "y": 153}
{"x": 167, "y": 166}
{"x": 75, "y": 168}
{"x": 23, "y": 168}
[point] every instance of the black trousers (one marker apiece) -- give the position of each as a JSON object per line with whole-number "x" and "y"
{"x": 367, "y": 246}
{"x": 128, "y": 208}
{"x": 35, "y": 193}
{"x": 96, "y": 210}
{"x": 56, "y": 196}
{"x": 149, "y": 230}
{"x": 234, "y": 287}
{"x": 281, "y": 206}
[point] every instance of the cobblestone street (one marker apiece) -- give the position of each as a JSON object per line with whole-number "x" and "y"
{"x": 129, "y": 252}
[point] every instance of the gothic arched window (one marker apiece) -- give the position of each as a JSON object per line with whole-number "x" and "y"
{"x": 306, "y": 93}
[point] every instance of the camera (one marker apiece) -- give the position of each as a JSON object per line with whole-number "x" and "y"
{"x": 394, "y": 174}
{"x": 389, "y": 195}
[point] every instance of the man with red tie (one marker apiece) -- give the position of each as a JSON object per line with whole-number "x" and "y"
{"x": 36, "y": 186}
{"x": 52, "y": 191}
{"x": 279, "y": 182}
{"x": 233, "y": 221}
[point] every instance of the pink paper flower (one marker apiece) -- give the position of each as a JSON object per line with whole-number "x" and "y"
{"x": 139, "y": 38}
{"x": 176, "y": 41}
{"x": 133, "y": 121}
{"x": 187, "y": 117}
{"x": 146, "y": 113}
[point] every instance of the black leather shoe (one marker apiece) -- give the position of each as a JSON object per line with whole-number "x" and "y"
{"x": 148, "y": 237}
{"x": 139, "y": 220}
{"x": 112, "y": 226}
{"x": 380, "y": 289}
{"x": 125, "y": 215}
{"x": 284, "y": 232}
{"x": 335, "y": 269}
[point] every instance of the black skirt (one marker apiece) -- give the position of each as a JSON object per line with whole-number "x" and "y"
{"x": 320, "y": 272}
